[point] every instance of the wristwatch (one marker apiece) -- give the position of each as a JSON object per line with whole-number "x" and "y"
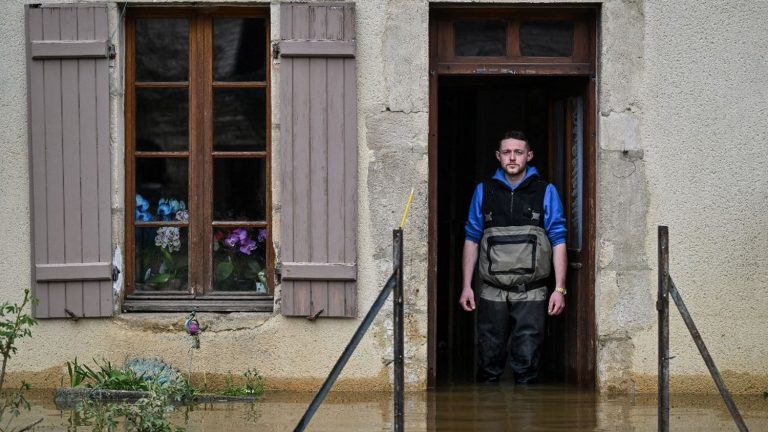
{"x": 562, "y": 291}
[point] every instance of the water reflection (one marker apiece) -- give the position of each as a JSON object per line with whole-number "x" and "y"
{"x": 466, "y": 408}
{"x": 506, "y": 407}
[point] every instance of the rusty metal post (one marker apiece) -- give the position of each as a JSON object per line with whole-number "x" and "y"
{"x": 662, "y": 305}
{"x": 726, "y": 395}
{"x": 397, "y": 321}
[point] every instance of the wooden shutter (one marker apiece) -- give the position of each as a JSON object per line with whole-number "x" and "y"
{"x": 318, "y": 137}
{"x": 68, "y": 93}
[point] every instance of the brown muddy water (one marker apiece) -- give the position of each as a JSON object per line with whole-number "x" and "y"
{"x": 460, "y": 408}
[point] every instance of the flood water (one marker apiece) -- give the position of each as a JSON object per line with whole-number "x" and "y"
{"x": 461, "y": 408}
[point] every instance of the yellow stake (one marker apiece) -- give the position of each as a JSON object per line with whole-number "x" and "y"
{"x": 407, "y": 207}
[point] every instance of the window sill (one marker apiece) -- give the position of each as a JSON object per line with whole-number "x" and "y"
{"x": 209, "y": 303}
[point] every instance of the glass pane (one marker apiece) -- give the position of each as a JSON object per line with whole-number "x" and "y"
{"x": 546, "y": 39}
{"x": 162, "y": 119}
{"x": 238, "y": 189}
{"x": 239, "y": 49}
{"x": 162, "y": 49}
{"x": 239, "y": 259}
{"x": 161, "y": 259}
{"x": 480, "y": 38}
{"x": 161, "y": 189}
{"x": 239, "y": 118}
{"x": 577, "y": 173}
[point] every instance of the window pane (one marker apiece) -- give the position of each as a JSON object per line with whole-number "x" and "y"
{"x": 162, "y": 119}
{"x": 239, "y": 259}
{"x": 239, "y": 118}
{"x": 239, "y": 191}
{"x": 480, "y": 38}
{"x": 161, "y": 189}
{"x": 239, "y": 49}
{"x": 161, "y": 259}
{"x": 162, "y": 49}
{"x": 546, "y": 39}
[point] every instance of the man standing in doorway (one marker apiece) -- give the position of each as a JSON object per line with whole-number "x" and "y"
{"x": 517, "y": 229}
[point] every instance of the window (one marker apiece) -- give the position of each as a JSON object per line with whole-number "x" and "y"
{"x": 522, "y": 41}
{"x": 480, "y": 38}
{"x": 546, "y": 39}
{"x": 198, "y": 151}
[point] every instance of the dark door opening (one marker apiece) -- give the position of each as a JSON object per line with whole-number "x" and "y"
{"x": 474, "y": 111}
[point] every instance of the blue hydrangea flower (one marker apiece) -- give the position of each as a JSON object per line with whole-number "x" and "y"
{"x": 167, "y": 208}
{"x": 141, "y": 203}
{"x": 163, "y": 210}
{"x": 142, "y": 209}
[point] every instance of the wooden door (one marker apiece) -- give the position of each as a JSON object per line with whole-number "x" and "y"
{"x": 571, "y": 162}
{"x": 510, "y": 45}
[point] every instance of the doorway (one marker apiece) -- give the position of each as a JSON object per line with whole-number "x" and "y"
{"x": 472, "y": 105}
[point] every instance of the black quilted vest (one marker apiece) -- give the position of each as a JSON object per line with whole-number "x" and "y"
{"x": 523, "y": 206}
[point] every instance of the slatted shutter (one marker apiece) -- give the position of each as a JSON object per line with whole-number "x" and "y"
{"x": 318, "y": 138}
{"x": 68, "y": 93}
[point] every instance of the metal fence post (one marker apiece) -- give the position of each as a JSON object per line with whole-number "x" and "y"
{"x": 346, "y": 354}
{"x": 716, "y": 377}
{"x": 662, "y": 305}
{"x": 397, "y": 318}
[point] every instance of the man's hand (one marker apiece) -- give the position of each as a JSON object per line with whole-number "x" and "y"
{"x": 556, "y": 303}
{"x": 467, "y": 299}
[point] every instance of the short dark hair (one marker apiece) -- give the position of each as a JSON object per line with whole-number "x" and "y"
{"x": 515, "y": 134}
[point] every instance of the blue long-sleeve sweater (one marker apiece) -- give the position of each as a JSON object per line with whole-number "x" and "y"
{"x": 554, "y": 219}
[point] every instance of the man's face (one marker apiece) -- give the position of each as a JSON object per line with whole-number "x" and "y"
{"x": 513, "y": 155}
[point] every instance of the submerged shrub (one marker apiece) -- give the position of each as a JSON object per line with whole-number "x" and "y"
{"x": 137, "y": 374}
{"x": 154, "y": 370}
{"x": 148, "y": 414}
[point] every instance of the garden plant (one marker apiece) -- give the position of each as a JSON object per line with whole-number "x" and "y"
{"x": 15, "y": 324}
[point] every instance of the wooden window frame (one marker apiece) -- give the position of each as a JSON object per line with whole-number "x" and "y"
{"x": 581, "y": 62}
{"x": 201, "y": 155}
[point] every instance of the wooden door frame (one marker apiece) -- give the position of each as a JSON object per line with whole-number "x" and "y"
{"x": 585, "y": 375}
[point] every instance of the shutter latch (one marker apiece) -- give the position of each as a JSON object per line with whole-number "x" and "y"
{"x": 275, "y": 50}
{"x": 115, "y": 273}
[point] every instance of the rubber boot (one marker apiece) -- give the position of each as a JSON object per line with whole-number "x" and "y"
{"x": 493, "y": 326}
{"x": 527, "y": 337}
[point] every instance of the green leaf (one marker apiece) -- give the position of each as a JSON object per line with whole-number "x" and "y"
{"x": 167, "y": 258}
{"x": 254, "y": 266}
{"x": 224, "y": 270}
{"x": 160, "y": 278}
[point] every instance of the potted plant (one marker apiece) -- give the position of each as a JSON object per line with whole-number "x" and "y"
{"x": 161, "y": 251}
{"x": 239, "y": 256}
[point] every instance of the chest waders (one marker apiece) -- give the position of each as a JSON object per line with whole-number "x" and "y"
{"x": 515, "y": 259}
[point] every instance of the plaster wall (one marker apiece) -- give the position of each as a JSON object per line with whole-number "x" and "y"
{"x": 704, "y": 128}
{"x": 681, "y": 92}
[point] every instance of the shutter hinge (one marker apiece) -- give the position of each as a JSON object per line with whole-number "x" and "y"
{"x": 315, "y": 315}
{"x": 275, "y": 50}
{"x": 73, "y": 316}
{"x": 115, "y": 273}
{"x": 111, "y": 52}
